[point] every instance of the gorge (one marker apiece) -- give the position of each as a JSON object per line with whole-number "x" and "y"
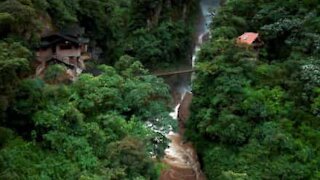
{"x": 181, "y": 156}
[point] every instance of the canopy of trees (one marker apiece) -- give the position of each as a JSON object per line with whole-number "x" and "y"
{"x": 255, "y": 114}
{"x": 94, "y": 128}
{"x": 107, "y": 126}
{"x": 143, "y": 29}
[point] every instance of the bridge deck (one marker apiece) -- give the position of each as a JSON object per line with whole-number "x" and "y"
{"x": 174, "y": 72}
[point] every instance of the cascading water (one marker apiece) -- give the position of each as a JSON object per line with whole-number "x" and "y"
{"x": 180, "y": 156}
{"x": 207, "y": 7}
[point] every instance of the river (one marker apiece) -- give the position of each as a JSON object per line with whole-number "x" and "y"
{"x": 181, "y": 156}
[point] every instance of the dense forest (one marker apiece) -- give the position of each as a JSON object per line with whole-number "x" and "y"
{"x": 255, "y": 114}
{"x": 109, "y": 125}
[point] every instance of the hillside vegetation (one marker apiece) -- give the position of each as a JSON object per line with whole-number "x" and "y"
{"x": 255, "y": 114}
{"x": 99, "y": 126}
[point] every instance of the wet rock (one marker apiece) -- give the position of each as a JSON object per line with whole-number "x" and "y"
{"x": 184, "y": 111}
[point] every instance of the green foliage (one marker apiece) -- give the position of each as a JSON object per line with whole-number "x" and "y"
{"x": 63, "y": 11}
{"x": 264, "y": 103}
{"x": 316, "y": 104}
{"x": 255, "y": 114}
{"x": 20, "y": 18}
{"x": 5, "y": 23}
{"x": 54, "y": 72}
{"x": 225, "y": 32}
{"x": 98, "y": 126}
{"x": 128, "y": 155}
{"x": 13, "y": 63}
{"x": 5, "y": 136}
{"x": 142, "y": 29}
{"x": 22, "y": 160}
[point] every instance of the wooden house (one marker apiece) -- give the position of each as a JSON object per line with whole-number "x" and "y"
{"x": 70, "y": 50}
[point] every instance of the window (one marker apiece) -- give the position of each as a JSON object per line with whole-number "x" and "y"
{"x": 66, "y": 45}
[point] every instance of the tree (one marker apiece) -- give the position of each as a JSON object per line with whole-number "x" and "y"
{"x": 98, "y": 126}
{"x": 255, "y": 114}
{"x": 22, "y": 18}
{"x": 13, "y": 64}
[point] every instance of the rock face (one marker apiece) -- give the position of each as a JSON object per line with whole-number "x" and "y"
{"x": 184, "y": 111}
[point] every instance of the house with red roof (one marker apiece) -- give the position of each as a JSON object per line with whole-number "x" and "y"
{"x": 250, "y": 39}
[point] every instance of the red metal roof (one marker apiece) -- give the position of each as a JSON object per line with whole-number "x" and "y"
{"x": 248, "y": 38}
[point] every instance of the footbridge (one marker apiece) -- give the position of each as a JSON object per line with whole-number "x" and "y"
{"x": 170, "y": 73}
